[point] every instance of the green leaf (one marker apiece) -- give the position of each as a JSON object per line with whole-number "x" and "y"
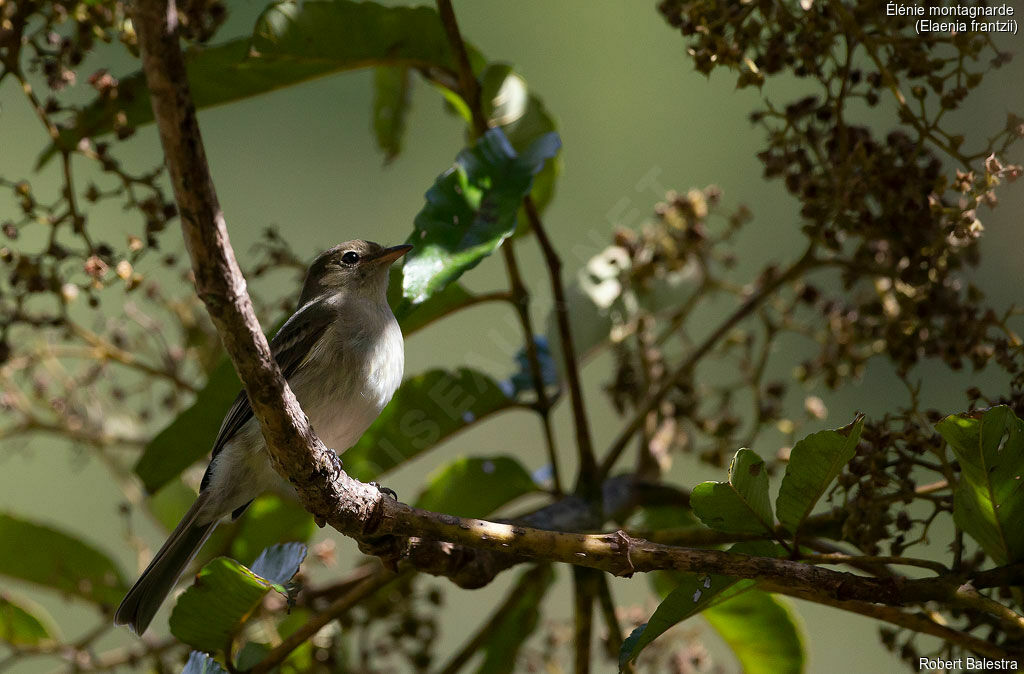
{"x": 269, "y": 520}
{"x": 201, "y": 663}
{"x": 280, "y": 562}
{"x": 989, "y": 500}
{"x": 509, "y": 103}
{"x": 45, "y": 556}
{"x": 691, "y": 595}
{"x": 495, "y": 481}
{"x": 24, "y": 624}
{"x": 517, "y": 621}
{"x": 426, "y": 409}
{"x": 189, "y": 437}
{"x": 292, "y": 43}
{"x": 412, "y": 317}
{"x": 813, "y": 464}
{"x": 521, "y": 382}
{"x": 392, "y": 87}
{"x": 740, "y": 505}
{"x": 470, "y": 210}
{"x": 761, "y": 630}
{"x": 215, "y": 607}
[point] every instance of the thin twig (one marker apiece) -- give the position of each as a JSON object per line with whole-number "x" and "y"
{"x": 589, "y": 477}
{"x": 684, "y": 369}
{"x": 585, "y": 590}
{"x": 896, "y": 616}
{"x": 521, "y": 300}
{"x": 611, "y": 621}
{"x": 338, "y": 607}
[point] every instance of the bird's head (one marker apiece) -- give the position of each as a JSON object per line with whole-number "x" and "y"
{"x": 355, "y": 266}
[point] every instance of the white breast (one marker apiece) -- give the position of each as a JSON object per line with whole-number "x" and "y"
{"x": 364, "y": 354}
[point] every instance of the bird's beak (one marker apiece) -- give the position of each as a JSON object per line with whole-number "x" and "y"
{"x": 389, "y": 255}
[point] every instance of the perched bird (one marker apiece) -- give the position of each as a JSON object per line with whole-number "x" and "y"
{"x": 343, "y": 356}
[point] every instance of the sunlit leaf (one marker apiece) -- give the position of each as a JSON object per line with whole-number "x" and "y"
{"x": 740, "y": 505}
{"x": 989, "y": 500}
{"x": 762, "y": 631}
{"x": 470, "y": 210}
{"x": 412, "y": 317}
{"x": 224, "y": 594}
{"x": 813, "y": 464}
{"x": 475, "y": 486}
{"x": 57, "y": 560}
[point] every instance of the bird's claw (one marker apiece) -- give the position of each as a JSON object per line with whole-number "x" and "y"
{"x": 336, "y": 463}
{"x": 385, "y": 490}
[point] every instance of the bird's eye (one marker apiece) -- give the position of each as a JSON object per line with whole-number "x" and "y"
{"x": 350, "y": 257}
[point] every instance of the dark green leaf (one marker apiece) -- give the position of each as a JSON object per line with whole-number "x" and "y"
{"x": 427, "y": 409}
{"x": 761, "y": 630}
{"x": 45, "y": 556}
{"x": 470, "y": 210}
{"x": 223, "y": 596}
{"x": 189, "y": 437}
{"x": 201, "y": 663}
{"x": 392, "y": 87}
{"x": 521, "y": 382}
{"x": 691, "y": 595}
{"x": 171, "y": 502}
{"x": 293, "y": 43}
{"x": 24, "y": 624}
{"x": 412, "y": 317}
{"x": 280, "y": 562}
{"x": 476, "y": 486}
{"x": 989, "y": 500}
{"x": 740, "y": 505}
{"x": 813, "y": 464}
{"x": 250, "y": 654}
{"x": 509, "y": 103}
{"x": 269, "y": 520}
{"x": 517, "y": 621}
{"x": 646, "y": 519}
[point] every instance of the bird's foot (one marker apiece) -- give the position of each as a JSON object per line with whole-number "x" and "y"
{"x": 385, "y": 490}
{"x": 336, "y": 463}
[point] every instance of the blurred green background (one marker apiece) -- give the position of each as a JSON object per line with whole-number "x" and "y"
{"x": 635, "y": 120}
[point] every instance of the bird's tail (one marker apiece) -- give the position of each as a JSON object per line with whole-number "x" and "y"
{"x": 144, "y": 599}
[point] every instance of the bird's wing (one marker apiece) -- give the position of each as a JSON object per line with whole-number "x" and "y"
{"x": 290, "y": 346}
